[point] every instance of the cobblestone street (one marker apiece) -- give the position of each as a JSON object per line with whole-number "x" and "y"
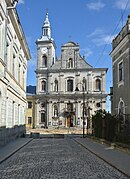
{"x": 56, "y": 159}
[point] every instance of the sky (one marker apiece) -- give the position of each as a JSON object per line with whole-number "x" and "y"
{"x": 90, "y": 23}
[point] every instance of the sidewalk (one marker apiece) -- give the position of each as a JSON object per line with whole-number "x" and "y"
{"x": 12, "y": 147}
{"x": 117, "y": 159}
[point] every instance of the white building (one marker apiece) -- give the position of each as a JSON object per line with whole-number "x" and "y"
{"x": 14, "y": 54}
{"x": 58, "y": 104}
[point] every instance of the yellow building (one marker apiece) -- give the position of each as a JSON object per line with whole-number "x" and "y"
{"x": 30, "y": 110}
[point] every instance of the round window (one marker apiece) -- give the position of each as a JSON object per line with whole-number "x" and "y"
{"x": 98, "y": 105}
{"x": 42, "y": 105}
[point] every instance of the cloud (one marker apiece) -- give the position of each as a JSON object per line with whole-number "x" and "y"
{"x": 121, "y": 4}
{"x": 87, "y": 52}
{"x": 95, "y": 5}
{"x": 21, "y": 2}
{"x": 100, "y": 37}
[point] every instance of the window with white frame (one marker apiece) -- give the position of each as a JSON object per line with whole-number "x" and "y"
{"x": 43, "y": 117}
{"x": 44, "y": 61}
{"x": 84, "y": 84}
{"x": 120, "y": 71}
{"x": 98, "y": 85}
{"x": 13, "y": 65}
{"x": 69, "y": 85}
{"x": 43, "y": 85}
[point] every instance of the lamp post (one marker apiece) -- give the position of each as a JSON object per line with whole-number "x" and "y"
{"x": 83, "y": 106}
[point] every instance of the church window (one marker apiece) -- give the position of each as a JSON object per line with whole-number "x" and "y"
{"x": 84, "y": 84}
{"x": 69, "y": 85}
{"x": 43, "y": 85}
{"x": 45, "y": 32}
{"x": 43, "y": 105}
{"x": 98, "y": 85}
{"x": 44, "y": 61}
{"x": 43, "y": 116}
{"x": 56, "y": 85}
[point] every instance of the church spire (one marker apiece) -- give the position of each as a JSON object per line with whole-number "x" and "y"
{"x": 46, "y": 29}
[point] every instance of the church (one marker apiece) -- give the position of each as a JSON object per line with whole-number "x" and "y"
{"x": 68, "y": 89}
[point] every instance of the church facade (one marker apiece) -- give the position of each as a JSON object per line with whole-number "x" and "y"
{"x": 69, "y": 90}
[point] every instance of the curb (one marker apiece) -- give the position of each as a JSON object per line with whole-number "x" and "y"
{"x": 15, "y": 150}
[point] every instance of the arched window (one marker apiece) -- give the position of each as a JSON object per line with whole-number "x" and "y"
{"x": 121, "y": 108}
{"x": 70, "y": 63}
{"x": 84, "y": 84}
{"x": 43, "y": 85}
{"x": 44, "y": 61}
{"x": 98, "y": 85}
{"x": 56, "y": 85}
{"x": 121, "y": 111}
{"x": 69, "y": 85}
{"x": 55, "y": 111}
{"x": 45, "y": 32}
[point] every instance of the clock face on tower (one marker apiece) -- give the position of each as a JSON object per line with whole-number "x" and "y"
{"x": 44, "y": 50}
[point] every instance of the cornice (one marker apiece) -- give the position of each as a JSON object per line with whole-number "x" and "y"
{"x": 45, "y": 71}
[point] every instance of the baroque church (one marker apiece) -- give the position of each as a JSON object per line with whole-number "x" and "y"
{"x": 68, "y": 90}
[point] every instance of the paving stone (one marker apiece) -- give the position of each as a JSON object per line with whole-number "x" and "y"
{"x": 56, "y": 159}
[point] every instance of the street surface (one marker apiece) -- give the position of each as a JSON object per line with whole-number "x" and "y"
{"x": 56, "y": 159}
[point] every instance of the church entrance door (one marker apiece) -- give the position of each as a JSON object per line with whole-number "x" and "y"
{"x": 69, "y": 121}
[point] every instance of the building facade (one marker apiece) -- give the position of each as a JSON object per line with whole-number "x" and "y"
{"x": 31, "y": 107}
{"x": 121, "y": 71}
{"x": 58, "y": 101}
{"x": 14, "y": 53}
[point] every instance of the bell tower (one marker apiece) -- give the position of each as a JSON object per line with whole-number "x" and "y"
{"x": 45, "y": 46}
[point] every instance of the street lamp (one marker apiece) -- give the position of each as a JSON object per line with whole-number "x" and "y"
{"x": 83, "y": 106}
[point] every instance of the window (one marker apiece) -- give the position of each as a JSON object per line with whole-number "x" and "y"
{"x": 56, "y": 85}
{"x": 13, "y": 65}
{"x": 29, "y": 104}
{"x": 121, "y": 71}
{"x": 29, "y": 120}
{"x": 45, "y": 32}
{"x": 121, "y": 111}
{"x": 98, "y": 85}
{"x": 70, "y": 63}
{"x": 43, "y": 117}
{"x": 98, "y": 105}
{"x": 121, "y": 108}
{"x": 69, "y": 85}
{"x": 55, "y": 111}
{"x": 43, "y": 105}
{"x": 44, "y": 61}
{"x": 19, "y": 75}
{"x": 84, "y": 84}
{"x": 70, "y": 107}
{"x": 43, "y": 86}
{"x": 7, "y": 55}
